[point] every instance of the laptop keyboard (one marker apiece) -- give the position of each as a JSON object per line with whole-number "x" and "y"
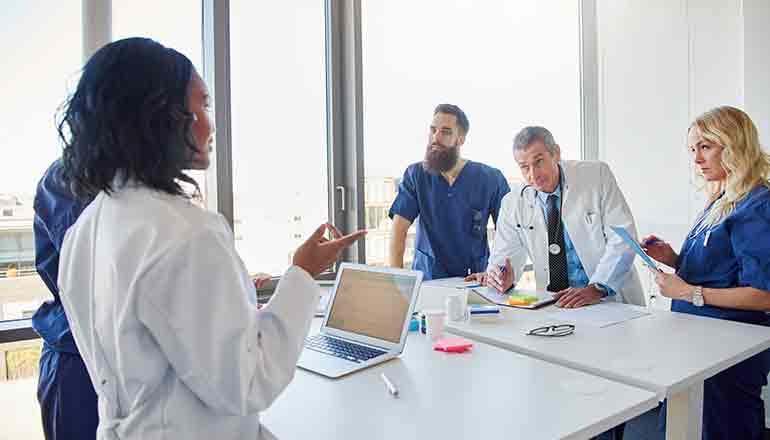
{"x": 341, "y": 348}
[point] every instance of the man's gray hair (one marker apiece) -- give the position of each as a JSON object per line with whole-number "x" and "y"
{"x": 529, "y": 135}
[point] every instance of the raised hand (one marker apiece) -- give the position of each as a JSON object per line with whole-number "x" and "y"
{"x": 318, "y": 253}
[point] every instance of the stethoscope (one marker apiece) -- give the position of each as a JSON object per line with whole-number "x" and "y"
{"x": 553, "y": 248}
{"x": 698, "y": 228}
{"x": 531, "y": 206}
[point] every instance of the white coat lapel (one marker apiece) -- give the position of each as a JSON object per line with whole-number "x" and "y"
{"x": 581, "y": 201}
{"x": 571, "y": 211}
{"x": 574, "y": 209}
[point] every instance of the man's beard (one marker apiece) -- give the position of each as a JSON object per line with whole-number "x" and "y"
{"x": 441, "y": 160}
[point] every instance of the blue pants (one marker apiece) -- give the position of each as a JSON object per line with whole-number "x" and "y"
{"x": 615, "y": 433}
{"x": 67, "y": 397}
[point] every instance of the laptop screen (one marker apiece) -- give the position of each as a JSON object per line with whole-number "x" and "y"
{"x": 373, "y": 304}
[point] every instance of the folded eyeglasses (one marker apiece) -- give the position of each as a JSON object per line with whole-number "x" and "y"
{"x": 553, "y": 330}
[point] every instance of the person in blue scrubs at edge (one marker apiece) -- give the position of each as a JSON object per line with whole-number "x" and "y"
{"x": 723, "y": 267}
{"x": 66, "y": 395}
{"x": 452, "y": 199}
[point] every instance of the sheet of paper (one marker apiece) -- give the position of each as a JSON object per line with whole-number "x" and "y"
{"x": 457, "y": 282}
{"x": 634, "y": 245}
{"x": 599, "y": 315}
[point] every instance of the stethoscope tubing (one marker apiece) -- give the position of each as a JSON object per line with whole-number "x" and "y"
{"x": 531, "y": 226}
{"x": 532, "y": 203}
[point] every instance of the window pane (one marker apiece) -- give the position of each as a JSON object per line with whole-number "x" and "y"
{"x": 173, "y": 23}
{"x": 279, "y": 128}
{"x": 42, "y": 49}
{"x": 35, "y": 81}
{"x": 506, "y": 64}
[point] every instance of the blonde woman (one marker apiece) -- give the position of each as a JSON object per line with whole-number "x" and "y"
{"x": 723, "y": 267}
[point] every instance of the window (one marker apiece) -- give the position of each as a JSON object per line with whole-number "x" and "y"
{"x": 279, "y": 151}
{"x": 172, "y": 23}
{"x": 439, "y": 52}
{"x": 29, "y": 132}
{"x": 41, "y": 45}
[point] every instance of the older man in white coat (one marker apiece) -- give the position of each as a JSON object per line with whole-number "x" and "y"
{"x": 561, "y": 220}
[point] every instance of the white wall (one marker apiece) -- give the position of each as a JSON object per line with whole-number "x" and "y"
{"x": 756, "y": 16}
{"x": 661, "y": 63}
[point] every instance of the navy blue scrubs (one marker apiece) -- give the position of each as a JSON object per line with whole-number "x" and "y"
{"x": 734, "y": 253}
{"x": 66, "y": 395}
{"x": 452, "y": 225}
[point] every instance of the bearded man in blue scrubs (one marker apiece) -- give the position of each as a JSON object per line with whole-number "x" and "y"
{"x": 451, "y": 198}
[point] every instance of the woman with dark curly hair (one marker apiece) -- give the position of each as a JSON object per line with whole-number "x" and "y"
{"x": 160, "y": 305}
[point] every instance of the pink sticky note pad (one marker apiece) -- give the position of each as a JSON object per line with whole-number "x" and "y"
{"x": 453, "y": 345}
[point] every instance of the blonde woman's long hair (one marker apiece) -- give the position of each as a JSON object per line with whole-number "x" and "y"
{"x": 743, "y": 160}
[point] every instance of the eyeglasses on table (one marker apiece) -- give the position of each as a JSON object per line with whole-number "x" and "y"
{"x": 553, "y": 330}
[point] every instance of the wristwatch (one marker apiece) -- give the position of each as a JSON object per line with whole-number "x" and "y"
{"x": 602, "y": 289}
{"x": 697, "y": 297}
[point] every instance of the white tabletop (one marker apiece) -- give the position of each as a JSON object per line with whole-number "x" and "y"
{"x": 488, "y": 393}
{"x": 664, "y": 351}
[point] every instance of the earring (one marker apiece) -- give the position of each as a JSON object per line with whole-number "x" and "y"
{"x": 194, "y": 117}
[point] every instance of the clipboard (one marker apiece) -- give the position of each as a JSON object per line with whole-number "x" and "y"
{"x": 501, "y": 299}
{"x": 634, "y": 246}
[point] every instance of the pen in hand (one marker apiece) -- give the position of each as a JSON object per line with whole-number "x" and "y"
{"x": 499, "y": 277}
{"x": 391, "y": 388}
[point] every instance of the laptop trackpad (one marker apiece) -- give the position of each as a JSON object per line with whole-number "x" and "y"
{"x": 325, "y": 364}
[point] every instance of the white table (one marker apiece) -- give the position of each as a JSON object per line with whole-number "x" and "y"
{"x": 489, "y": 393}
{"x": 668, "y": 353}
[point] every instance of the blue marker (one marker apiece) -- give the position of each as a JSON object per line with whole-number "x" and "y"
{"x": 484, "y": 309}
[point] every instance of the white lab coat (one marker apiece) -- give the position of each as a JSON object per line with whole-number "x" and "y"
{"x": 591, "y": 202}
{"x": 163, "y": 312}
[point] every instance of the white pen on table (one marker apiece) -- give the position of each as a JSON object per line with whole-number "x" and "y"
{"x": 391, "y": 388}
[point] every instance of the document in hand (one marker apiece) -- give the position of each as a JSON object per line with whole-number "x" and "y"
{"x": 503, "y": 299}
{"x": 634, "y": 245}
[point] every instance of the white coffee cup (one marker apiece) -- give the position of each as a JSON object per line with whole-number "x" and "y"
{"x": 434, "y": 323}
{"x": 457, "y": 306}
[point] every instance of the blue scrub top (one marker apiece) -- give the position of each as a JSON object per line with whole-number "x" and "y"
{"x": 737, "y": 254}
{"x": 55, "y": 211}
{"x": 452, "y": 224}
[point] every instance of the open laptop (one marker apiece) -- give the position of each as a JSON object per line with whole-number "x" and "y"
{"x": 366, "y": 321}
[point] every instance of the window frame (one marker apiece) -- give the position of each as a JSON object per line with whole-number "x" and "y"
{"x": 344, "y": 101}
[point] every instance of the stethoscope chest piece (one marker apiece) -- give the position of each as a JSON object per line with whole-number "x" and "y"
{"x": 554, "y": 249}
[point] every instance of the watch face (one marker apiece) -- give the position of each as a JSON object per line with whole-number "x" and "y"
{"x": 697, "y": 300}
